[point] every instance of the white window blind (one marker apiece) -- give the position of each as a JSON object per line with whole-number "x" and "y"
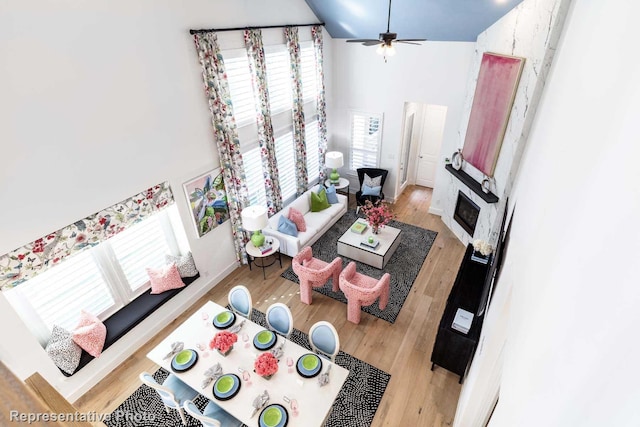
{"x": 285, "y": 156}
{"x": 313, "y": 161}
{"x": 141, "y": 246}
{"x": 366, "y": 134}
{"x": 279, "y": 81}
{"x": 308, "y": 72}
{"x": 254, "y": 177}
{"x": 58, "y": 294}
{"x": 241, "y": 89}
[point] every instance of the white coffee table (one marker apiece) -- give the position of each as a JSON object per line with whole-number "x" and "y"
{"x": 349, "y": 245}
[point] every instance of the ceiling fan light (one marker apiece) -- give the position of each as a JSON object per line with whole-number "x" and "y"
{"x": 381, "y": 48}
{"x": 391, "y": 50}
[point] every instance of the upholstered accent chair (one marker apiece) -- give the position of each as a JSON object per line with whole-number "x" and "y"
{"x": 362, "y": 290}
{"x": 314, "y": 273}
{"x": 374, "y": 173}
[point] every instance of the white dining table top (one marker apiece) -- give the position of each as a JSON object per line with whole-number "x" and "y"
{"x": 314, "y": 402}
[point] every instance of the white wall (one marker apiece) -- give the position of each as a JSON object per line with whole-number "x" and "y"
{"x": 101, "y": 100}
{"x": 572, "y": 349}
{"x": 432, "y": 73}
{"x": 531, "y": 30}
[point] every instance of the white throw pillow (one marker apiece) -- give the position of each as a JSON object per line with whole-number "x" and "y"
{"x": 186, "y": 265}
{"x": 372, "y": 182}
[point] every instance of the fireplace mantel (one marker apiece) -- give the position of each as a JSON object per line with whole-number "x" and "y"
{"x": 472, "y": 184}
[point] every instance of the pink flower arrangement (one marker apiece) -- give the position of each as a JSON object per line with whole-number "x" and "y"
{"x": 223, "y": 341}
{"x": 266, "y": 365}
{"x": 378, "y": 215}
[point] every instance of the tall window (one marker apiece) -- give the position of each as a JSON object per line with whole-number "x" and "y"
{"x": 366, "y": 134}
{"x": 100, "y": 280}
{"x": 278, "y": 66}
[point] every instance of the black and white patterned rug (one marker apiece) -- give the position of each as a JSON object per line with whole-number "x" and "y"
{"x": 404, "y": 265}
{"x": 355, "y": 405}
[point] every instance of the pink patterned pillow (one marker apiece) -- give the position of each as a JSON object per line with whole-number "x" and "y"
{"x": 298, "y": 219}
{"x": 90, "y": 334}
{"x": 164, "y": 279}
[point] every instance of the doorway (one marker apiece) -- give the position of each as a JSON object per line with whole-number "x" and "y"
{"x": 422, "y": 133}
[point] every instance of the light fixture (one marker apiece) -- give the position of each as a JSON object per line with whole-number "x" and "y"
{"x": 254, "y": 218}
{"x": 386, "y": 49}
{"x": 334, "y": 160}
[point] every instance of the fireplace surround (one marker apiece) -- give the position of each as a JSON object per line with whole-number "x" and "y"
{"x": 466, "y": 213}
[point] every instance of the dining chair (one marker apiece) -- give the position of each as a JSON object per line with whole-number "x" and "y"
{"x": 324, "y": 339}
{"x": 172, "y": 391}
{"x": 240, "y": 301}
{"x": 213, "y": 415}
{"x": 360, "y": 289}
{"x": 314, "y": 273}
{"x": 279, "y": 319}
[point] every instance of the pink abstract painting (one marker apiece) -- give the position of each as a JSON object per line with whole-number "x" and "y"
{"x": 495, "y": 90}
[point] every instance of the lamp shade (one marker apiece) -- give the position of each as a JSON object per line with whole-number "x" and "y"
{"x": 254, "y": 218}
{"x": 334, "y": 159}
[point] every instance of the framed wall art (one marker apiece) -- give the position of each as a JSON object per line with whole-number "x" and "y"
{"x": 207, "y": 200}
{"x": 496, "y": 87}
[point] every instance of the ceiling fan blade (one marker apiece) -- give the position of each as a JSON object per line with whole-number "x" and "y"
{"x": 411, "y": 40}
{"x": 371, "y": 43}
{"x": 406, "y": 42}
{"x": 362, "y": 40}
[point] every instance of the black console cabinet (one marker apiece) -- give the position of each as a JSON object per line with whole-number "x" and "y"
{"x": 453, "y": 350}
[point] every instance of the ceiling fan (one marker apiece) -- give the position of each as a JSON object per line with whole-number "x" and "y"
{"x": 386, "y": 40}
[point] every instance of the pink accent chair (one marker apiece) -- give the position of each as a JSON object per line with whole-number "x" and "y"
{"x": 362, "y": 290}
{"x": 314, "y": 273}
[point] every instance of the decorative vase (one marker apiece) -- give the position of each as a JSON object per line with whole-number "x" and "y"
{"x": 375, "y": 229}
{"x": 226, "y": 353}
{"x": 267, "y": 377}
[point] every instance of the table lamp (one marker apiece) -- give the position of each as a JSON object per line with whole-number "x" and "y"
{"x": 334, "y": 159}
{"x": 254, "y": 218}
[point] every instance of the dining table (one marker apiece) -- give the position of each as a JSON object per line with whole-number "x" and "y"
{"x": 312, "y": 402}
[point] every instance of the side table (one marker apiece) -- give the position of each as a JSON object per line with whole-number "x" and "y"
{"x": 342, "y": 187}
{"x": 254, "y": 253}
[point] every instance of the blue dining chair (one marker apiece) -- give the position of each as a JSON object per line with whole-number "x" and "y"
{"x": 240, "y": 301}
{"x": 279, "y": 319}
{"x": 213, "y": 415}
{"x": 324, "y": 339}
{"x": 172, "y": 391}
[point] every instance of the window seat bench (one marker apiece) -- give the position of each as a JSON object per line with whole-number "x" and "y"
{"x": 131, "y": 315}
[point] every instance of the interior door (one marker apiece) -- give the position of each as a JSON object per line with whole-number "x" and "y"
{"x": 406, "y": 149}
{"x": 430, "y": 143}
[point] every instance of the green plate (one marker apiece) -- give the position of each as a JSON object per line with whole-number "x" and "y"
{"x": 265, "y": 337}
{"x": 224, "y": 384}
{"x": 223, "y": 317}
{"x": 272, "y": 416}
{"x": 310, "y": 362}
{"x": 183, "y": 357}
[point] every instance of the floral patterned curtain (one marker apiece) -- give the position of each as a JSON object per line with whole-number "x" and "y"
{"x": 291, "y": 36}
{"x": 258, "y": 69}
{"x": 316, "y": 33}
{"x": 226, "y": 134}
{"x": 36, "y": 257}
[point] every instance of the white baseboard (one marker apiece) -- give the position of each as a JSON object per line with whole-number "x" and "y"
{"x": 72, "y": 388}
{"x": 436, "y": 211}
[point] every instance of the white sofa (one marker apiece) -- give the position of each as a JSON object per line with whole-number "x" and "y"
{"x": 317, "y": 223}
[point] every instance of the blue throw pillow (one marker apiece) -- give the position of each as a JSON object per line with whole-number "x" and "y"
{"x": 371, "y": 191}
{"x": 286, "y": 226}
{"x": 331, "y": 194}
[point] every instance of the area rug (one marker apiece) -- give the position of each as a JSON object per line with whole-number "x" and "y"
{"x": 355, "y": 405}
{"x": 404, "y": 265}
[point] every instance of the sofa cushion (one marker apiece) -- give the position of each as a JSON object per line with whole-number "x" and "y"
{"x": 164, "y": 279}
{"x": 319, "y": 201}
{"x": 90, "y": 334}
{"x": 371, "y": 191}
{"x": 316, "y": 221}
{"x": 186, "y": 265}
{"x": 298, "y": 219}
{"x": 64, "y": 352}
{"x": 302, "y": 203}
{"x": 287, "y": 226}
{"x": 332, "y": 197}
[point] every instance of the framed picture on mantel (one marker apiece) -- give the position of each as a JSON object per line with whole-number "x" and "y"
{"x": 492, "y": 102}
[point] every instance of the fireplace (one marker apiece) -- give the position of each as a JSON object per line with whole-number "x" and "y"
{"x": 466, "y": 213}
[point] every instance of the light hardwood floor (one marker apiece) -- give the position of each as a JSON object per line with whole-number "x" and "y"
{"x": 415, "y": 396}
